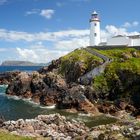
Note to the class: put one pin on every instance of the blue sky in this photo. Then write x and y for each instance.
(42, 30)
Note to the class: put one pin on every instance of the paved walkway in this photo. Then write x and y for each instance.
(87, 78)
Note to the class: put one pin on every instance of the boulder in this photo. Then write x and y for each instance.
(8, 77)
(20, 86)
(75, 98)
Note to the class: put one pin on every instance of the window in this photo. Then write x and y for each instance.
(95, 34)
(95, 24)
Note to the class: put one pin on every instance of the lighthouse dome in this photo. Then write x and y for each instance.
(94, 13)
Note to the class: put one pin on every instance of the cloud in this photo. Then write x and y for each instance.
(41, 36)
(27, 53)
(129, 25)
(39, 53)
(63, 35)
(135, 23)
(47, 13)
(3, 49)
(46, 46)
(69, 45)
(112, 30)
(3, 2)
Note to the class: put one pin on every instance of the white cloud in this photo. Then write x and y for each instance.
(3, 2)
(64, 35)
(47, 13)
(3, 49)
(112, 30)
(135, 23)
(39, 53)
(27, 54)
(127, 24)
(41, 36)
(69, 45)
(130, 24)
(60, 42)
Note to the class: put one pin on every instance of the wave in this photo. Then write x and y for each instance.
(13, 97)
(30, 101)
(3, 86)
(49, 107)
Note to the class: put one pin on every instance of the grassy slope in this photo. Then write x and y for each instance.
(79, 55)
(125, 62)
(117, 53)
(8, 136)
(4, 135)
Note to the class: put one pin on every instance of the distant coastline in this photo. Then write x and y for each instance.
(21, 63)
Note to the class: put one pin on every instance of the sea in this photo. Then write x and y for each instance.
(13, 107)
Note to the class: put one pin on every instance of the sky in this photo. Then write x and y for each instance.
(43, 30)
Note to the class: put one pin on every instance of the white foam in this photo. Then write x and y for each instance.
(3, 86)
(49, 107)
(30, 101)
(13, 97)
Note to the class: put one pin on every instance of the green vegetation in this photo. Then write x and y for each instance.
(120, 53)
(79, 55)
(77, 63)
(8, 136)
(121, 77)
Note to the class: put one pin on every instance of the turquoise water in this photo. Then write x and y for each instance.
(13, 108)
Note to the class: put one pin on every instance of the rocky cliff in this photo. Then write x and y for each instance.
(114, 90)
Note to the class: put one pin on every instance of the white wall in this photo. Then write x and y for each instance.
(94, 40)
(119, 41)
(135, 42)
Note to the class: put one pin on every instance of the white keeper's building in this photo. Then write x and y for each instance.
(119, 40)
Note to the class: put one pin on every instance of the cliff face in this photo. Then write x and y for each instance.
(114, 90)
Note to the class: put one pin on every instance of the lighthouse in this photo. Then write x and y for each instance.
(94, 29)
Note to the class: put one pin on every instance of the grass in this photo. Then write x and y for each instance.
(121, 72)
(8, 136)
(118, 53)
(79, 55)
(4, 135)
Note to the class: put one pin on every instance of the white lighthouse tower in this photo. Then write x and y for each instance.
(94, 29)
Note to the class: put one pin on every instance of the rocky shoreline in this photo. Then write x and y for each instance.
(114, 92)
(51, 89)
(56, 127)
(53, 126)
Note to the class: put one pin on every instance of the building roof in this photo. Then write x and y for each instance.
(131, 36)
(118, 36)
(134, 36)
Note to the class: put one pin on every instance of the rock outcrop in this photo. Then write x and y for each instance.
(49, 89)
(7, 77)
(57, 84)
